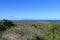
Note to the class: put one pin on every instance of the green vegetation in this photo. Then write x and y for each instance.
(4, 24)
(29, 30)
(53, 32)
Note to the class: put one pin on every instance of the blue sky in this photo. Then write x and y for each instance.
(30, 9)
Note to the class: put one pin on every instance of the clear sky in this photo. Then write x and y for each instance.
(30, 9)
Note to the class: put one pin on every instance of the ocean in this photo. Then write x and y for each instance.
(36, 20)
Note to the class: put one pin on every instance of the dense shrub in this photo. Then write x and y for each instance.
(4, 24)
(52, 32)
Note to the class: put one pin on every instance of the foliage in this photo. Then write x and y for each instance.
(25, 32)
(52, 32)
(4, 24)
(32, 31)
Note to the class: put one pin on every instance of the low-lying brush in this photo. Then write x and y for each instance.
(32, 31)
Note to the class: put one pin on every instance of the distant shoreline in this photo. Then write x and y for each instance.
(36, 20)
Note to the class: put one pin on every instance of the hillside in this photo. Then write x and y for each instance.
(32, 31)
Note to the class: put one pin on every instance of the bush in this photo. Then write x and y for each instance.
(4, 24)
(52, 32)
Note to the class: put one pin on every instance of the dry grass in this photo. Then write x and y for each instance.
(24, 31)
(28, 31)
